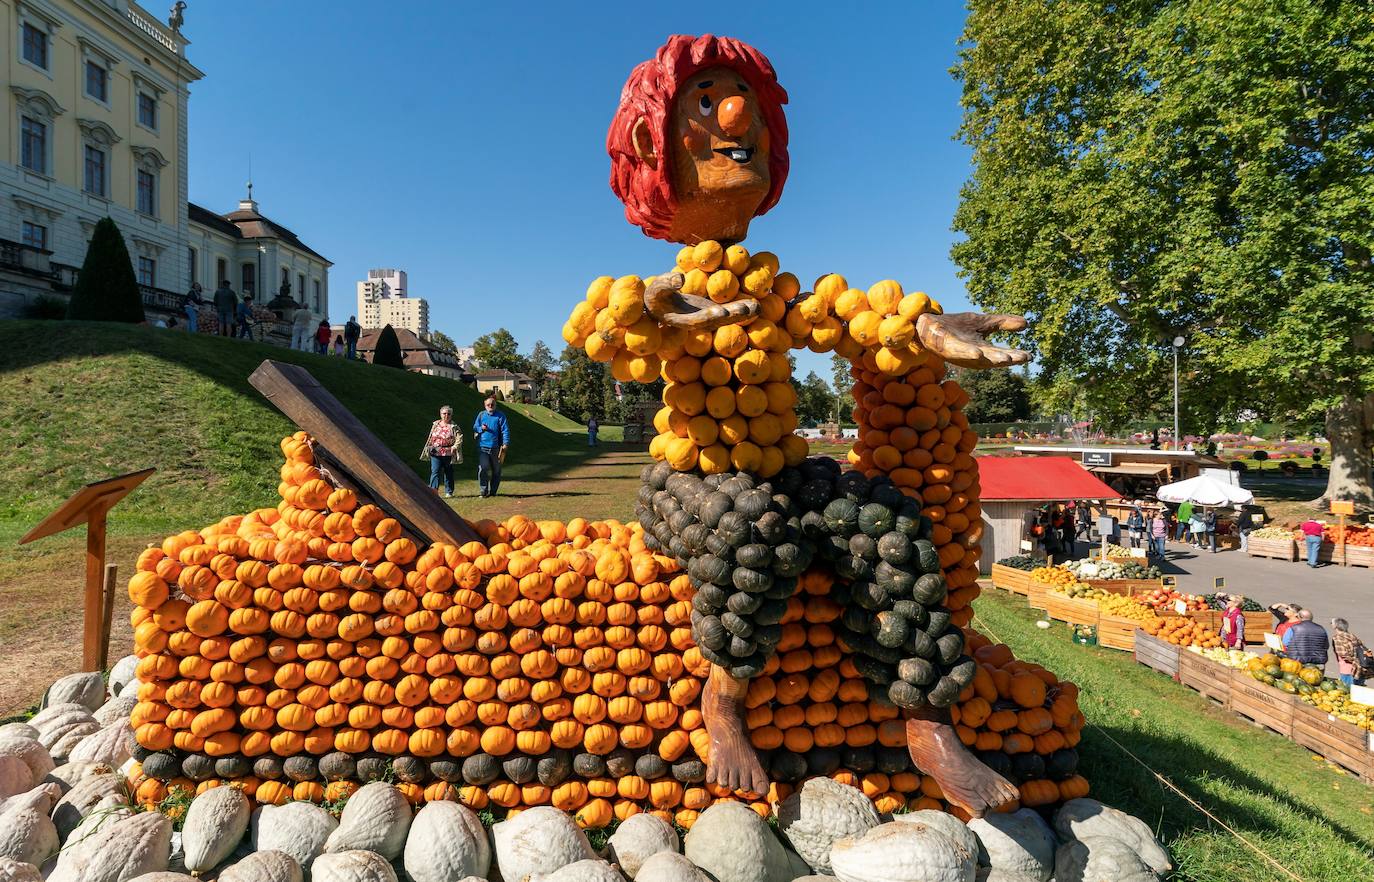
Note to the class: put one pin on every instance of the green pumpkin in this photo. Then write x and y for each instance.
(842, 517)
(917, 671)
(875, 519)
(895, 548)
(905, 695)
(890, 629)
(927, 556)
(930, 589)
(944, 693)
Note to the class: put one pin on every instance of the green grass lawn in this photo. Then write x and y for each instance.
(1313, 819)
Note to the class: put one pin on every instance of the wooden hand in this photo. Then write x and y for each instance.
(665, 301)
(959, 339)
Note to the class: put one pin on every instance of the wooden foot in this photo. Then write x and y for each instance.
(733, 762)
(937, 751)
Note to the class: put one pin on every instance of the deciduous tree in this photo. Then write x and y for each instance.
(498, 351)
(995, 396)
(1146, 171)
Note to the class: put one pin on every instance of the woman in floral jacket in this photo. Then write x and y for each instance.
(444, 447)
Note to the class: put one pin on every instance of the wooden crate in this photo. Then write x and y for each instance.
(1263, 704)
(1279, 549)
(1123, 586)
(1116, 632)
(1206, 676)
(1342, 743)
(1359, 556)
(1207, 617)
(1075, 611)
(1010, 579)
(1155, 653)
(1257, 624)
(1036, 593)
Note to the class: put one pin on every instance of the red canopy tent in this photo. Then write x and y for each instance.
(1011, 485)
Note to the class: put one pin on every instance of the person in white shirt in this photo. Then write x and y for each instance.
(302, 329)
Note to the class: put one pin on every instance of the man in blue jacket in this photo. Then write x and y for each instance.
(493, 437)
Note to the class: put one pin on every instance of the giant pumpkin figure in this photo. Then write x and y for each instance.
(698, 149)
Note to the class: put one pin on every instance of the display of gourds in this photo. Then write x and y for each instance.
(1182, 631)
(1126, 608)
(302, 650)
(1219, 601)
(1020, 562)
(1285, 533)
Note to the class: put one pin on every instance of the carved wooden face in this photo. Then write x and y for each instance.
(718, 146)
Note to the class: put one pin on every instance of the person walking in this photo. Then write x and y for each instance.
(1159, 532)
(592, 428)
(1245, 522)
(1306, 641)
(1233, 624)
(443, 447)
(492, 431)
(226, 304)
(300, 329)
(1352, 658)
(1195, 528)
(1135, 524)
(1067, 530)
(194, 300)
(338, 344)
(352, 331)
(1185, 511)
(322, 333)
(1312, 535)
(244, 313)
(1209, 528)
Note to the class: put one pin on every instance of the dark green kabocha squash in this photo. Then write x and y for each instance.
(302, 768)
(198, 767)
(163, 765)
(929, 589)
(338, 766)
(268, 768)
(875, 519)
(842, 517)
(410, 769)
(927, 557)
(689, 771)
(519, 769)
(589, 765)
(890, 628)
(1061, 764)
(917, 671)
(233, 766)
(481, 769)
(447, 770)
(895, 548)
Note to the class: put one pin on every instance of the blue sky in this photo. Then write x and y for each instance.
(466, 144)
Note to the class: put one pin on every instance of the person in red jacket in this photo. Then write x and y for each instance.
(322, 338)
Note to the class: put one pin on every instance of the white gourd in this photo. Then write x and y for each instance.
(1017, 842)
(70, 774)
(539, 840)
(947, 824)
(902, 852)
(163, 876)
(375, 818)
(131, 688)
(823, 810)
(111, 745)
(86, 689)
(264, 866)
(122, 673)
(351, 866)
(115, 852)
(115, 709)
(215, 822)
(51, 728)
(95, 792)
(52, 711)
(18, 871)
(591, 870)
(637, 838)
(1095, 858)
(667, 866)
(733, 844)
(299, 829)
(34, 755)
(15, 776)
(18, 730)
(68, 738)
(446, 843)
(93, 823)
(27, 832)
(1088, 817)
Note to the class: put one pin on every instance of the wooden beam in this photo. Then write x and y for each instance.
(392, 483)
(91, 641)
(107, 614)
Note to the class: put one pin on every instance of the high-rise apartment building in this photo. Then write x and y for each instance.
(383, 300)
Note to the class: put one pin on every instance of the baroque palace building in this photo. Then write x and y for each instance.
(97, 93)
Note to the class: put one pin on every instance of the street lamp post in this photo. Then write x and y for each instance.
(1178, 344)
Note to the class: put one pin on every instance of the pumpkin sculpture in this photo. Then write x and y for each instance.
(765, 619)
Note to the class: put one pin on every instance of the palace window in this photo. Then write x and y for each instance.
(35, 45)
(97, 82)
(33, 149)
(221, 271)
(147, 111)
(147, 271)
(317, 295)
(248, 278)
(34, 235)
(147, 193)
(191, 263)
(96, 178)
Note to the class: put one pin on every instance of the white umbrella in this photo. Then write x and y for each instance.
(1204, 490)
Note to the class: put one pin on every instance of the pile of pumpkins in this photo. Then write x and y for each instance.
(66, 815)
(305, 650)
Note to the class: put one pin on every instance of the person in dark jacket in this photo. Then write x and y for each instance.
(352, 331)
(226, 303)
(1306, 641)
(244, 313)
(1245, 522)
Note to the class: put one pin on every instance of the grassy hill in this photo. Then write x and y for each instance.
(85, 401)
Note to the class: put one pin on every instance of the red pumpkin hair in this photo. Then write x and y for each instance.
(649, 92)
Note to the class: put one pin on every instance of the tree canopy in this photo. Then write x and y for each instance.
(106, 290)
(440, 340)
(499, 351)
(995, 396)
(1147, 171)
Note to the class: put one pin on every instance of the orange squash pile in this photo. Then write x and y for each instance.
(1182, 631)
(318, 627)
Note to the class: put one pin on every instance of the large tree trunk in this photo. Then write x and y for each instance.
(1350, 429)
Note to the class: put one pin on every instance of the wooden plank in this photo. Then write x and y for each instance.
(1279, 549)
(391, 483)
(1206, 676)
(1123, 586)
(1359, 556)
(1155, 653)
(107, 613)
(1340, 742)
(1263, 704)
(81, 506)
(1035, 593)
(1010, 579)
(1116, 632)
(92, 636)
(1073, 610)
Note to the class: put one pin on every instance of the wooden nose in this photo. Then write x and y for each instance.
(733, 116)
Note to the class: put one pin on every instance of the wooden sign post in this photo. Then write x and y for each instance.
(89, 506)
(1340, 508)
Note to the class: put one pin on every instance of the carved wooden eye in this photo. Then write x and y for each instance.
(704, 105)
